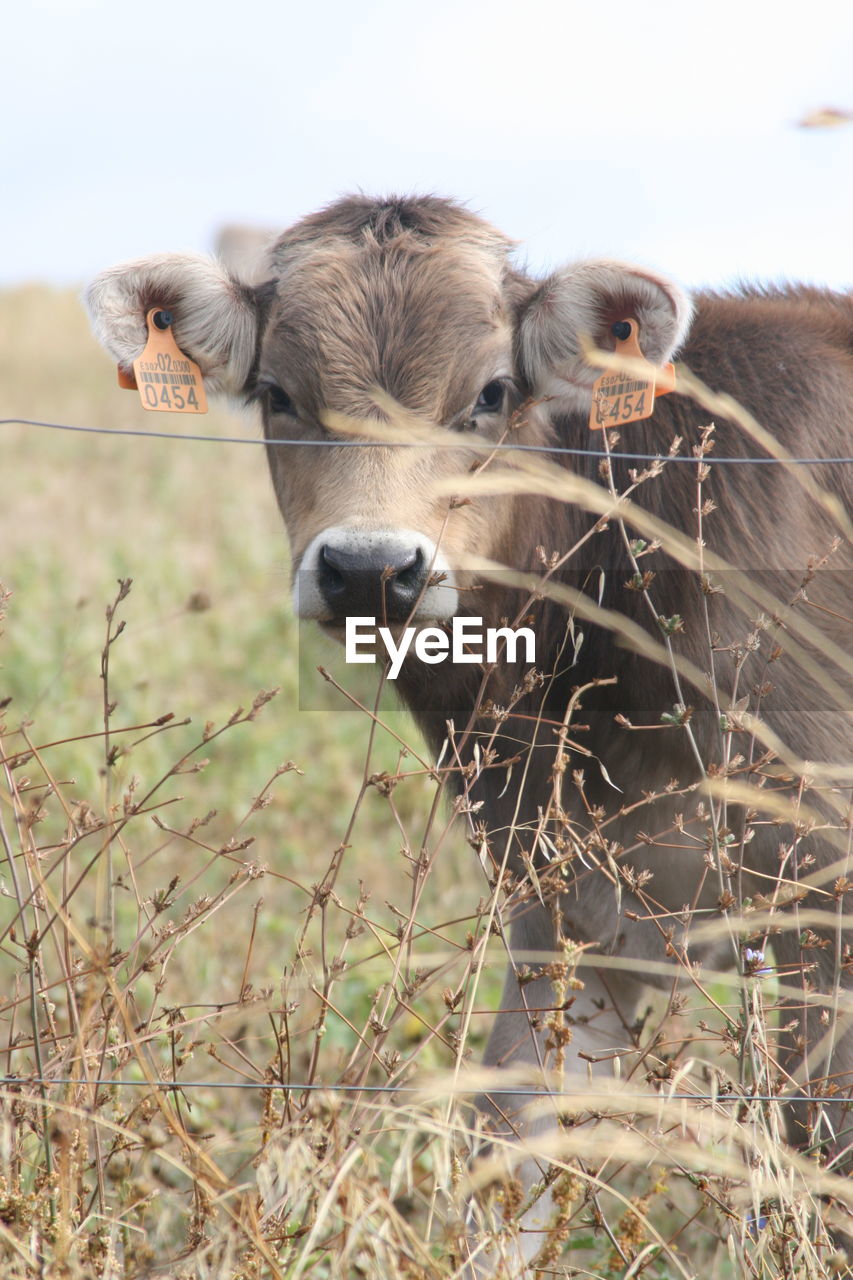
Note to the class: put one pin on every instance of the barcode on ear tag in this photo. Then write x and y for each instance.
(166, 379)
(619, 398)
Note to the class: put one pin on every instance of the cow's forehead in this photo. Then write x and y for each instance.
(427, 319)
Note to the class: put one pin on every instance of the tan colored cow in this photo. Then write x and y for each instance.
(416, 303)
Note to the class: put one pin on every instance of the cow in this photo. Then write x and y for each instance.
(694, 636)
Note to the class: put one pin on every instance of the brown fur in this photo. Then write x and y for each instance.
(419, 298)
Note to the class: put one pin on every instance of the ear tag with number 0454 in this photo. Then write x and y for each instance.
(618, 397)
(166, 379)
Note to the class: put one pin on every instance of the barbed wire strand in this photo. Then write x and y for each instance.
(298, 1086)
(418, 444)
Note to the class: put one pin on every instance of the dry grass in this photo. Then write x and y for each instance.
(268, 907)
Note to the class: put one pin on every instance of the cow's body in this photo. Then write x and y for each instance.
(418, 300)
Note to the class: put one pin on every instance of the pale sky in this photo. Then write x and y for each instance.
(662, 133)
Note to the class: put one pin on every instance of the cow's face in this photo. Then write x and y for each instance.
(379, 314)
(422, 327)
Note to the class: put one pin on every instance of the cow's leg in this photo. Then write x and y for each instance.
(599, 1021)
(817, 1052)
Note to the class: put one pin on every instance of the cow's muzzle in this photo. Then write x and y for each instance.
(388, 574)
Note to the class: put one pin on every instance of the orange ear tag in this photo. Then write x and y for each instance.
(167, 380)
(619, 398)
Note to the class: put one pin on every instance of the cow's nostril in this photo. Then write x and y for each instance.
(332, 573)
(410, 572)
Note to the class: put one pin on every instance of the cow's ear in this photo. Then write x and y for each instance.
(215, 317)
(581, 302)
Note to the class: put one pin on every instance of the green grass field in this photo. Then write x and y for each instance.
(224, 897)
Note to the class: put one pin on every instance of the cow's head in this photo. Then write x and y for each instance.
(412, 301)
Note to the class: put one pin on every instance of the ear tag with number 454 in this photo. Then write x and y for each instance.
(166, 379)
(619, 397)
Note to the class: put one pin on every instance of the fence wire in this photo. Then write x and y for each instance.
(419, 444)
(302, 1086)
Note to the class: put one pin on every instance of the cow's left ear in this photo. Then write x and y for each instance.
(582, 302)
(215, 317)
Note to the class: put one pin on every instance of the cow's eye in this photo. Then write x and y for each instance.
(277, 399)
(491, 398)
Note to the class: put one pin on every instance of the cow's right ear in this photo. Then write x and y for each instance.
(215, 318)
